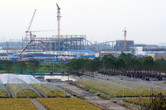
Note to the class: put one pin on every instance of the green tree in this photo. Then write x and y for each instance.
(148, 63)
(22, 66)
(74, 67)
(93, 65)
(8, 66)
(33, 65)
(120, 64)
(159, 65)
(128, 59)
(158, 102)
(109, 61)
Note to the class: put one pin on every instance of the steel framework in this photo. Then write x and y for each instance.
(64, 43)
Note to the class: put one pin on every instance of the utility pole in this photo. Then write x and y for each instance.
(125, 34)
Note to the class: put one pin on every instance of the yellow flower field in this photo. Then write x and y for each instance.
(66, 104)
(16, 104)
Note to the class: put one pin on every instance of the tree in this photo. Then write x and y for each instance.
(120, 64)
(92, 65)
(148, 63)
(158, 102)
(128, 59)
(109, 61)
(22, 66)
(8, 66)
(159, 65)
(96, 64)
(74, 67)
(33, 65)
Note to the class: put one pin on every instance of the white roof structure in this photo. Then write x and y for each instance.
(10, 78)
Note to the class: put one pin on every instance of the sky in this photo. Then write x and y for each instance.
(99, 20)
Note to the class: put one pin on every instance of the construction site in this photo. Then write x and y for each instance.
(33, 43)
(60, 42)
(58, 48)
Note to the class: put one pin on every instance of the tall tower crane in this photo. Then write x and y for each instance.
(58, 19)
(30, 24)
(32, 35)
(125, 34)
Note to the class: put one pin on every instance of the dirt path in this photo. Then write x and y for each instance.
(37, 104)
(91, 98)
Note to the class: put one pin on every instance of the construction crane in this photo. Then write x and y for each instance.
(32, 36)
(28, 30)
(38, 31)
(125, 34)
(29, 27)
(58, 19)
(30, 24)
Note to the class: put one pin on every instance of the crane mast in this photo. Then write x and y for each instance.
(31, 20)
(30, 24)
(125, 34)
(28, 32)
(58, 19)
(28, 29)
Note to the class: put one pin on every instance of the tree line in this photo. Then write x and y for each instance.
(125, 64)
(18, 66)
(28, 67)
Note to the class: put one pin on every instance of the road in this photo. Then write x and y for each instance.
(91, 98)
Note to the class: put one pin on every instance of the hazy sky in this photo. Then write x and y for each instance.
(99, 20)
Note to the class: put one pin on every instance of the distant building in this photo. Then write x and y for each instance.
(120, 45)
(158, 55)
(4, 56)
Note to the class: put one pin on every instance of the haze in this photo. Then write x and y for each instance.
(99, 20)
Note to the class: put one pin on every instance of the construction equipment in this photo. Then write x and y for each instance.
(31, 20)
(58, 22)
(28, 30)
(58, 19)
(29, 27)
(32, 36)
(28, 45)
(125, 34)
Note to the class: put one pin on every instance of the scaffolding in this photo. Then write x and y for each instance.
(64, 43)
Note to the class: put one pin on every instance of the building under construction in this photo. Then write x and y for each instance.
(56, 42)
(62, 43)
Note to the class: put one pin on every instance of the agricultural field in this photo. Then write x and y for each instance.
(3, 91)
(66, 104)
(114, 90)
(21, 90)
(48, 91)
(138, 101)
(122, 88)
(35, 90)
(16, 104)
(157, 101)
(3, 94)
(142, 88)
